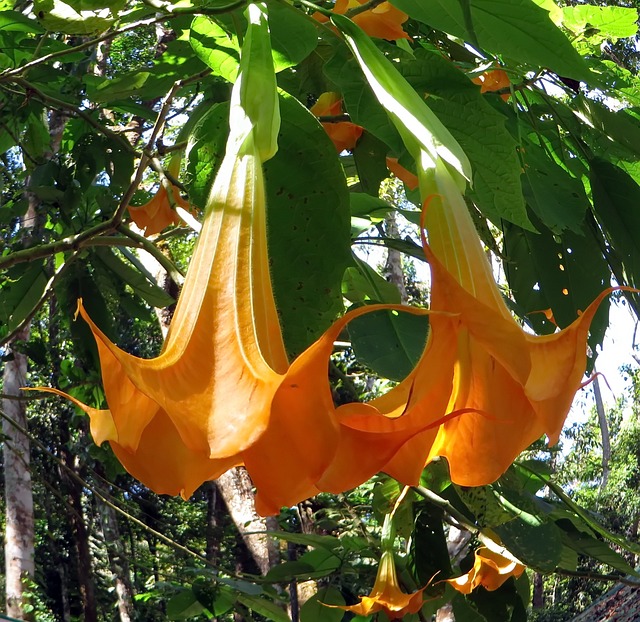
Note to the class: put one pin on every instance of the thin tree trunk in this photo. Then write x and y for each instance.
(393, 267)
(214, 530)
(538, 591)
(604, 432)
(19, 531)
(76, 519)
(64, 593)
(118, 562)
(237, 491)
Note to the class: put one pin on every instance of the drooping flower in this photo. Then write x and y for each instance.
(203, 404)
(524, 383)
(384, 21)
(387, 595)
(409, 179)
(494, 80)
(344, 134)
(490, 570)
(159, 212)
(513, 387)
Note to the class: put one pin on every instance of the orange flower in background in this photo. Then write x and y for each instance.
(494, 80)
(344, 134)
(383, 21)
(490, 570)
(159, 212)
(386, 595)
(409, 179)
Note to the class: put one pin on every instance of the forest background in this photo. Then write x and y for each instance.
(106, 105)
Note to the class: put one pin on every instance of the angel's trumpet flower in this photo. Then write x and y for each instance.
(160, 211)
(383, 21)
(201, 406)
(387, 595)
(513, 386)
(344, 134)
(490, 570)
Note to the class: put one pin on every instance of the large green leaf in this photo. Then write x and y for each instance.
(17, 22)
(23, 287)
(428, 554)
(308, 222)
(293, 38)
(184, 606)
(389, 342)
(601, 22)
(361, 283)
(561, 273)
(586, 544)
(616, 197)
(536, 545)
(263, 607)
(314, 610)
(558, 199)
(307, 215)
(480, 130)
(585, 515)
(615, 130)
(215, 46)
(518, 29)
(465, 611)
(59, 16)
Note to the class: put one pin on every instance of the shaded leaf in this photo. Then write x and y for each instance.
(315, 611)
(538, 546)
(147, 290)
(518, 29)
(561, 273)
(389, 342)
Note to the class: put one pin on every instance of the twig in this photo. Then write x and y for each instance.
(596, 576)
(367, 6)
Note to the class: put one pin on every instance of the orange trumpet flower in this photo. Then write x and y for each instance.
(344, 134)
(223, 376)
(513, 387)
(494, 80)
(490, 570)
(159, 212)
(517, 386)
(387, 595)
(383, 21)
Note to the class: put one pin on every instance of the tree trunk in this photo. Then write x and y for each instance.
(538, 591)
(118, 561)
(604, 432)
(19, 532)
(237, 491)
(393, 267)
(76, 519)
